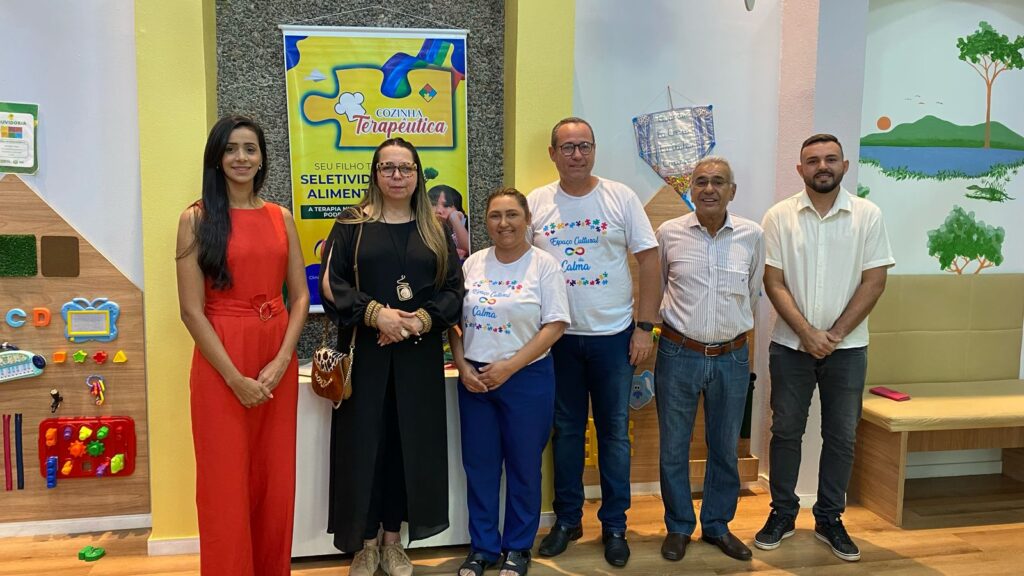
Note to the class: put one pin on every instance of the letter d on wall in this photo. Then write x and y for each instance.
(40, 317)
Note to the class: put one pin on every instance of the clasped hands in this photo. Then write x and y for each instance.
(820, 343)
(487, 378)
(252, 392)
(397, 325)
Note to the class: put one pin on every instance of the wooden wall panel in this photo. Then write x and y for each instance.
(23, 212)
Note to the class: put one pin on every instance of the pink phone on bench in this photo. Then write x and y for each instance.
(889, 393)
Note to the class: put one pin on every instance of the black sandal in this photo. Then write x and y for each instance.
(476, 562)
(517, 561)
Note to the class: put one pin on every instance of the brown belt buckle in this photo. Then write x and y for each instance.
(716, 348)
(266, 311)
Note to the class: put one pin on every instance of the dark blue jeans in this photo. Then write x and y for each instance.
(840, 381)
(595, 368)
(680, 377)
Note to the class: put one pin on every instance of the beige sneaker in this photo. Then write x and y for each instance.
(394, 561)
(366, 561)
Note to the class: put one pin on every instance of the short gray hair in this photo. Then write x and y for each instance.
(720, 160)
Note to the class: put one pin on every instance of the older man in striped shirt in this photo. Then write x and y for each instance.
(712, 264)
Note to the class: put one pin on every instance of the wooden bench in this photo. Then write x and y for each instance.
(954, 344)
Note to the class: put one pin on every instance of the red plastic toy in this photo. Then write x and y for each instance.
(108, 449)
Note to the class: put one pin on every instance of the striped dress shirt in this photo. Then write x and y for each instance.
(711, 284)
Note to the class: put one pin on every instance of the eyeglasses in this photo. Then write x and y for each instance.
(568, 149)
(388, 170)
(716, 183)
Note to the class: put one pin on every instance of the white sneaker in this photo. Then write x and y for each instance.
(394, 561)
(366, 561)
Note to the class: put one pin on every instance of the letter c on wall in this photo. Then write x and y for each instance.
(15, 317)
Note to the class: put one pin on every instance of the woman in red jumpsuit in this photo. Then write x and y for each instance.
(234, 253)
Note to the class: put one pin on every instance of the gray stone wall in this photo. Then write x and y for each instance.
(251, 80)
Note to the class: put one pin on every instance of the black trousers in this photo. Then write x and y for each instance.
(388, 504)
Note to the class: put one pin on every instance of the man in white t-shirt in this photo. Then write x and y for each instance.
(591, 225)
(827, 256)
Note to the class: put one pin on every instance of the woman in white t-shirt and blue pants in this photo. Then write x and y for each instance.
(515, 308)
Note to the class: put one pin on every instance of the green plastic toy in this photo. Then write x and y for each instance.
(90, 554)
(95, 448)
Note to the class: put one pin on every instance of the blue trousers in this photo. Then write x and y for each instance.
(594, 368)
(509, 426)
(680, 377)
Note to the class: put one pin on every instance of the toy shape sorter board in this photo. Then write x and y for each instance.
(91, 447)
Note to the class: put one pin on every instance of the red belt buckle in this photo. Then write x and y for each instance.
(266, 312)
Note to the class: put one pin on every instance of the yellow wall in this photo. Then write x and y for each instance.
(539, 49)
(539, 56)
(176, 66)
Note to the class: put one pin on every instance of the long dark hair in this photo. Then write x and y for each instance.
(452, 196)
(430, 230)
(213, 221)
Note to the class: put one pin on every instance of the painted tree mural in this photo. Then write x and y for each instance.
(990, 54)
(962, 239)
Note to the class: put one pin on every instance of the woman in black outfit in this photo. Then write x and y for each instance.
(389, 459)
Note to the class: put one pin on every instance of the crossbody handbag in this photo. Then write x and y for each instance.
(331, 376)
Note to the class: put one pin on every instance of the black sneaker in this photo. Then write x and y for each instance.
(778, 527)
(833, 533)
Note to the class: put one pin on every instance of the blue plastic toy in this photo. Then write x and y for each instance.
(90, 320)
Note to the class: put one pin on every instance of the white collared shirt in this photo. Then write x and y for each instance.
(712, 283)
(822, 258)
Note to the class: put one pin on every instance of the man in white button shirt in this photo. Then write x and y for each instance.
(712, 263)
(827, 258)
(591, 225)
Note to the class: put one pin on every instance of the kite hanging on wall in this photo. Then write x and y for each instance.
(672, 141)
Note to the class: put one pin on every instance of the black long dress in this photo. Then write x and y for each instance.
(418, 370)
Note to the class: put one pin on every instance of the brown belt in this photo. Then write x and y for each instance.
(709, 350)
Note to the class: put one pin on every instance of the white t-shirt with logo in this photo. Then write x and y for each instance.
(591, 237)
(506, 304)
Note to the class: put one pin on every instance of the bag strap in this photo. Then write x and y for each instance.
(355, 267)
(325, 320)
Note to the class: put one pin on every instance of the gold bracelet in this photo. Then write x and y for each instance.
(425, 318)
(367, 313)
(372, 310)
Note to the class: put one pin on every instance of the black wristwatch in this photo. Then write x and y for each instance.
(645, 326)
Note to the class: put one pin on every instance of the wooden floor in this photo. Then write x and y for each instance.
(948, 536)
